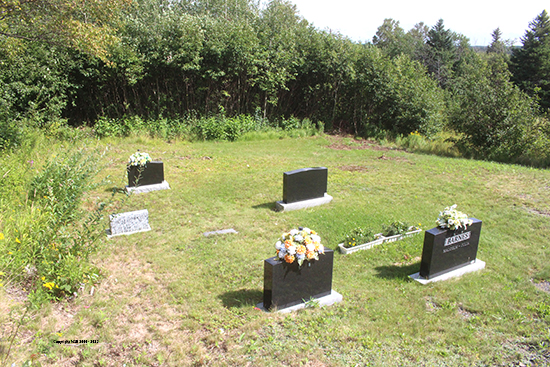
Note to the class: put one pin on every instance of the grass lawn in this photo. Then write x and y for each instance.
(172, 297)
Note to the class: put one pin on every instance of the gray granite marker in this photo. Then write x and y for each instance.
(129, 222)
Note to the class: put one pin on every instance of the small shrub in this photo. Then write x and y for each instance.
(395, 228)
(359, 236)
(106, 127)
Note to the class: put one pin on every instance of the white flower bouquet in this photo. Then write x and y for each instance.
(453, 219)
(139, 159)
(299, 245)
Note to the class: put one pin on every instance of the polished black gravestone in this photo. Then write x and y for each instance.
(446, 250)
(286, 285)
(304, 184)
(150, 174)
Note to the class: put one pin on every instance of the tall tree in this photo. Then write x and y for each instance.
(498, 45)
(441, 52)
(84, 25)
(418, 37)
(277, 29)
(391, 38)
(492, 114)
(530, 64)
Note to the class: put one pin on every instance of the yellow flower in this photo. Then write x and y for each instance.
(49, 285)
(1, 236)
(43, 278)
(59, 334)
(17, 240)
(10, 253)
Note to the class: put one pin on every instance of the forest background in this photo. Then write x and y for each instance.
(217, 69)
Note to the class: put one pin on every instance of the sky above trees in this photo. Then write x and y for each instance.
(474, 19)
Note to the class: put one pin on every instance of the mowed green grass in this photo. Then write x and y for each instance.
(172, 297)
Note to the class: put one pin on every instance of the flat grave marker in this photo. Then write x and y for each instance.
(129, 222)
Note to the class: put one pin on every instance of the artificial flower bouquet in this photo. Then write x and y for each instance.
(302, 244)
(139, 159)
(453, 219)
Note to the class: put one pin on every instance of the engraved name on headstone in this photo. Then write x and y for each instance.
(129, 222)
(304, 184)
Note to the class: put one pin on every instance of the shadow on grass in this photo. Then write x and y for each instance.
(241, 298)
(397, 271)
(271, 206)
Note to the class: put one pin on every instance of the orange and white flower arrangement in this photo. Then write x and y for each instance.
(299, 245)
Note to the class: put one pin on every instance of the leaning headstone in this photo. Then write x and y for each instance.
(304, 188)
(129, 222)
(449, 253)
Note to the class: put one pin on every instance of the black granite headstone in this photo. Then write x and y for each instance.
(446, 250)
(286, 285)
(150, 174)
(304, 184)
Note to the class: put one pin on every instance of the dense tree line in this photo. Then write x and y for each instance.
(167, 59)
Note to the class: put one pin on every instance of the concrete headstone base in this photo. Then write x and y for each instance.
(148, 188)
(332, 298)
(284, 207)
(474, 266)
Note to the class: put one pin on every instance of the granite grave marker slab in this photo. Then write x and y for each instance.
(286, 285)
(129, 222)
(150, 174)
(446, 250)
(304, 184)
(303, 188)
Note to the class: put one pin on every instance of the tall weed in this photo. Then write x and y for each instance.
(45, 237)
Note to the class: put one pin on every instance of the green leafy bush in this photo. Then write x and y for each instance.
(492, 115)
(45, 237)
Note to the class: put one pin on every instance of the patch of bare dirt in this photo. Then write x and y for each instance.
(466, 315)
(338, 143)
(431, 306)
(543, 286)
(544, 213)
(397, 159)
(353, 168)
